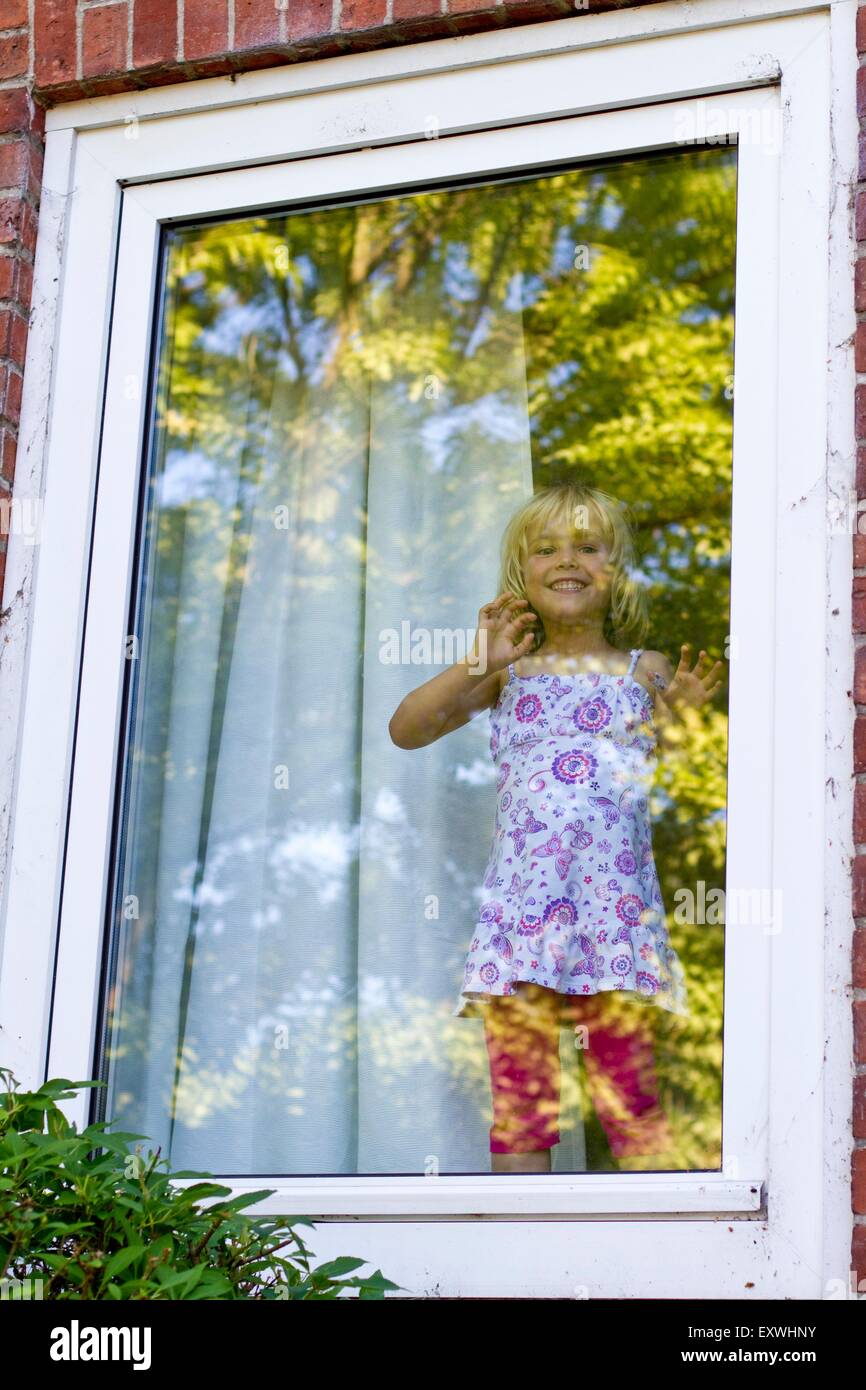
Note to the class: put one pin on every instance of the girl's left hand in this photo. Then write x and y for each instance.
(693, 688)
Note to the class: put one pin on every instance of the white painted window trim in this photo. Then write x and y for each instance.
(359, 122)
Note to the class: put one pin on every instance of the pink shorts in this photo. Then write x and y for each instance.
(522, 1035)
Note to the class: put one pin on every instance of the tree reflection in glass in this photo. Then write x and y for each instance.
(351, 401)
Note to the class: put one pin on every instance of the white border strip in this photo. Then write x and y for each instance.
(642, 1196)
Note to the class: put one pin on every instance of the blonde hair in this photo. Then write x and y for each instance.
(626, 622)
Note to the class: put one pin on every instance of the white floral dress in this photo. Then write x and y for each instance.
(572, 897)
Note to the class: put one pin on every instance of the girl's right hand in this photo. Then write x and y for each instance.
(505, 626)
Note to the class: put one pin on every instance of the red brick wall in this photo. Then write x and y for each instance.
(22, 125)
(88, 47)
(97, 47)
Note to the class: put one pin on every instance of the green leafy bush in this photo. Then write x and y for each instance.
(90, 1219)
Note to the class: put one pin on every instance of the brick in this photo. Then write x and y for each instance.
(859, 1009)
(104, 85)
(13, 14)
(265, 58)
(14, 163)
(256, 22)
(859, 813)
(35, 162)
(36, 156)
(54, 22)
(858, 615)
(362, 14)
(154, 32)
(858, 1182)
(467, 6)
(478, 21)
(8, 275)
(27, 227)
(18, 340)
(103, 40)
(13, 336)
(432, 26)
(543, 9)
(62, 91)
(328, 45)
(861, 29)
(12, 402)
(860, 411)
(205, 28)
(24, 286)
(858, 885)
(860, 282)
(308, 18)
(858, 958)
(858, 1253)
(17, 111)
(481, 21)
(210, 67)
(859, 1108)
(164, 76)
(11, 220)
(14, 56)
(860, 216)
(7, 456)
(415, 9)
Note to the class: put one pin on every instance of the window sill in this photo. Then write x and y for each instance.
(469, 1196)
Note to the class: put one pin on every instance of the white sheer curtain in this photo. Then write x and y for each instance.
(300, 893)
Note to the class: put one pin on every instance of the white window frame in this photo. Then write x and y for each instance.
(116, 168)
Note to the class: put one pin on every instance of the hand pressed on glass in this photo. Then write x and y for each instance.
(693, 688)
(506, 638)
(681, 693)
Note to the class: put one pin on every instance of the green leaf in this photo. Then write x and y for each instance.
(244, 1200)
(121, 1260)
(335, 1268)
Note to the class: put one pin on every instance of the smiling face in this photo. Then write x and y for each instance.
(568, 574)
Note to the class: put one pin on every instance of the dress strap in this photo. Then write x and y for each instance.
(636, 654)
(511, 675)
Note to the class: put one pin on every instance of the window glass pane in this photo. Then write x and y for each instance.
(351, 404)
